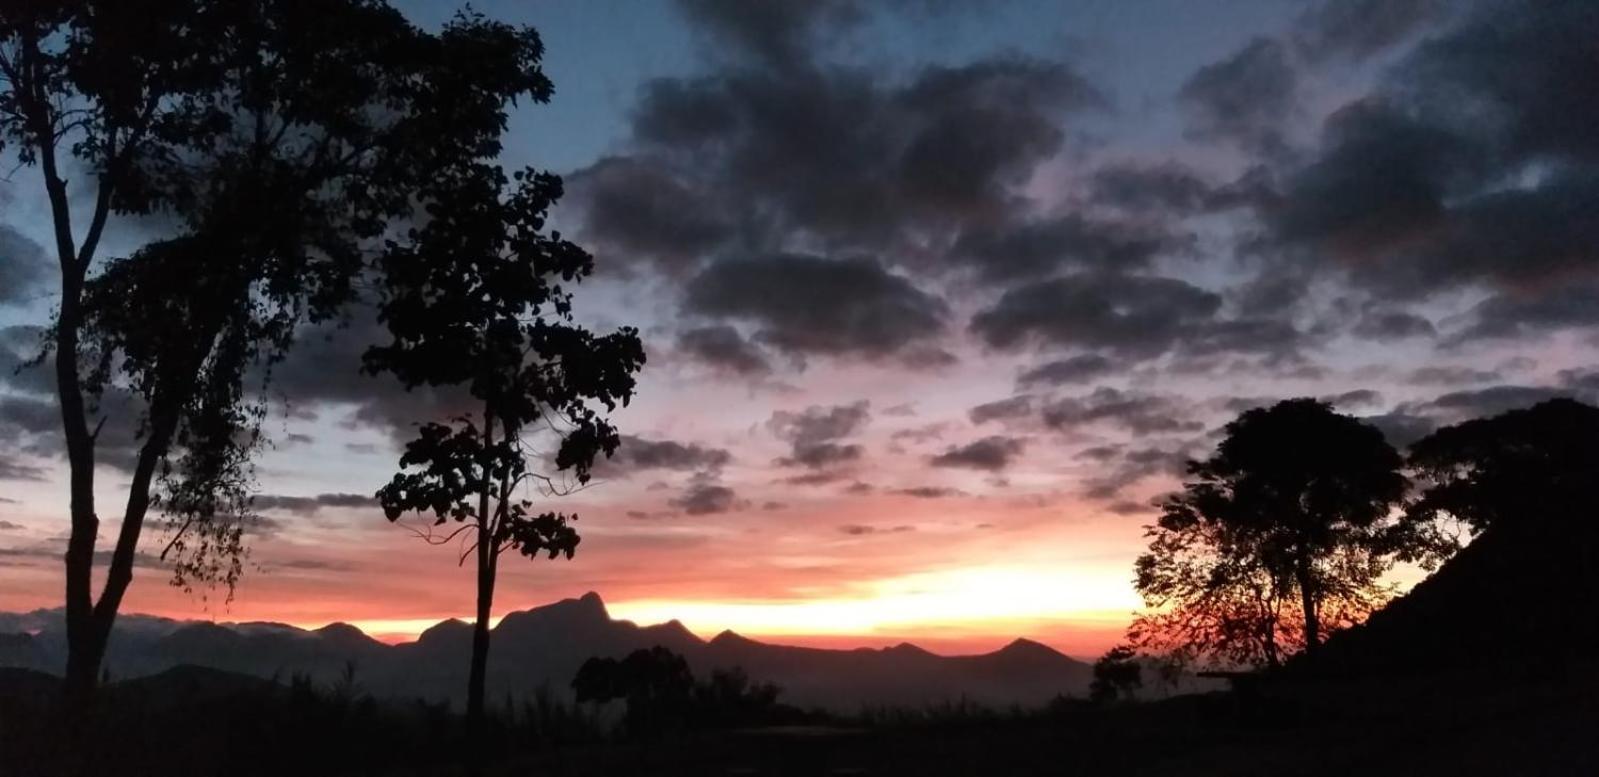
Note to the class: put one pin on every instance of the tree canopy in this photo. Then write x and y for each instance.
(1282, 534)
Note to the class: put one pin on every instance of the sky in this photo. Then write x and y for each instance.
(938, 297)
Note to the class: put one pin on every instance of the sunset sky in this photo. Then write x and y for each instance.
(936, 300)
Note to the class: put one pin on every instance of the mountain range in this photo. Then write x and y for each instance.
(543, 647)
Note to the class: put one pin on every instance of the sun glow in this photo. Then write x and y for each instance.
(953, 600)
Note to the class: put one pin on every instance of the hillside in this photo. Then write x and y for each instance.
(544, 646)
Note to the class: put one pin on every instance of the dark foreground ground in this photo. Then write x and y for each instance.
(1532, 721)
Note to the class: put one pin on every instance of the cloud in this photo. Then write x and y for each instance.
(640, 209)
(24, 268)
(930, 492)
(9, 526)
(1450, 376)
(1074, 369)
(310, 505)
(812, 305)
(861, 530)
(814, 433)
(1016, 407)
(637, 453)
(1127, 467)
(12, 469)
(1357, 29)
(723, 347)
(1141, 414)
(1472, 163)
(1145, 188)
(1029, 249)
(1133, 315)
(1245, 98)
(1383, 325)
(993, 453)
(705, 499)
(777, 35)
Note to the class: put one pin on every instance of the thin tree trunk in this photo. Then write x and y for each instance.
(485, 593)
(476, 682)
(1307, 598)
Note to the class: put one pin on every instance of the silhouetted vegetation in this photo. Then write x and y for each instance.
(1282, 535)
(1117, 675)
(478, 298)
(662, 695)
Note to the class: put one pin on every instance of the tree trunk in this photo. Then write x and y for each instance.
(480, 636)
(485, 596)
(1307, 598)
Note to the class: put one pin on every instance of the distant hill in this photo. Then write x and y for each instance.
(544, 646)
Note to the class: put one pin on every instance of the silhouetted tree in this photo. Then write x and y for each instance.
(661, 692)
(655, 682)
(1117, 675)
(1290, 522)
(1525, 470)
(280, 140)
(477, 299)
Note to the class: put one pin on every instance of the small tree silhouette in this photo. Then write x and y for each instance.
(475, 300)
(1282, 534)
(1117, 675)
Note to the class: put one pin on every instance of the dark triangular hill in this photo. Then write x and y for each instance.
(1506, 601)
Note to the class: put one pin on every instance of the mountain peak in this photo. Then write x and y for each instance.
(1021, 646)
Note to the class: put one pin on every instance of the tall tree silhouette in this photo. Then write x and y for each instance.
(282, 139)
(1281, 534)
(475, 299)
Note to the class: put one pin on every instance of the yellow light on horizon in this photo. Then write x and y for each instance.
(957, 600)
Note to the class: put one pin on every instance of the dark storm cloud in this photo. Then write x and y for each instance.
(1140, 414)
(814, 436)
(759, 158)
(1001, 410)
(310, 505)
(777, 34)
(1520, 313)
(1143, 188)
(725, 348)
(24, 268)
(636, 208)
(1392, 325)
(706, 499)
(1245, 98)
(993, 453)
(637, 453)
(1036, 248)
(1474, 161)
(1357, 29)
(1075, 369)
(1134, 315)
(811, 305)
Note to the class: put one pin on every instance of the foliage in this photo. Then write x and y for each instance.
(477, 296)
(1117, 675)
(1280, 536)
(1523, 470)
(661, 693)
